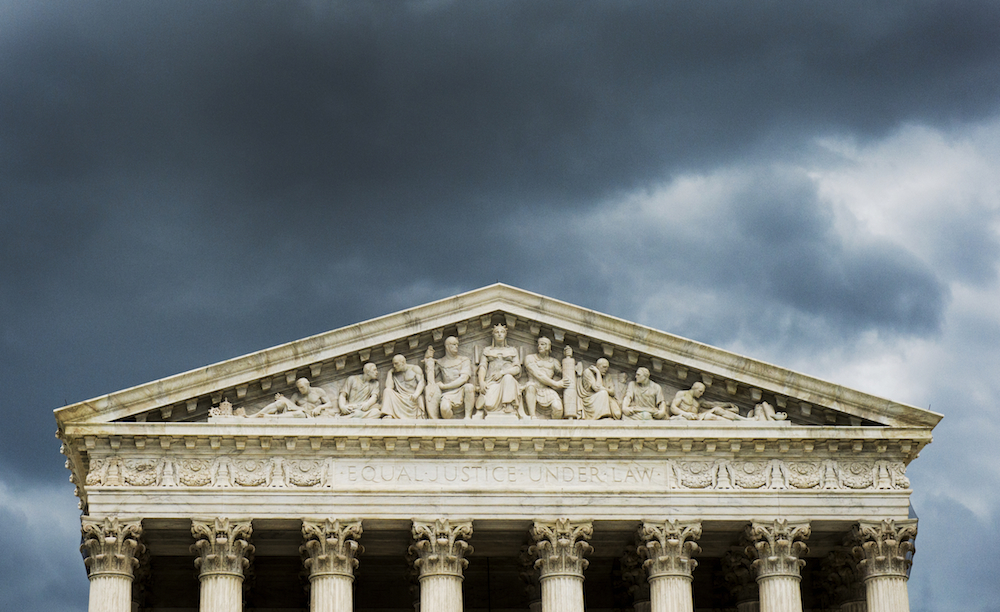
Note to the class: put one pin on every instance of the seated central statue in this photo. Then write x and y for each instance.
(404, 391)
(498, 370)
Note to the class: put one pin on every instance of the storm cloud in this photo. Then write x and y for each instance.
(809, 183)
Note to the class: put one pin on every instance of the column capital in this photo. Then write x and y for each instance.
(633, 573)
(885, 548)
(560, 546)
(667, 547)
(440, 547)
(221, 545)
(841, 578)
(778, 547)
(111, 545)
(737, 571)
(331, 546)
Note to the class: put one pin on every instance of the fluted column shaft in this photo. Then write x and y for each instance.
(330, 549)
(440, 548)
(560, 547)
(667, 548)
(112, 546)
(886, 549)
(562, 593)
(778, 548)
(780, 594)
(223, 555)
(671, 594)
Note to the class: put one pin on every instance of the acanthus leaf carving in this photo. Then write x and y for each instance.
(778, 547)
(112, 545)
(885, 548)
(739, 575)
(668, 547)
(440, 546)
(222, 546)
(561, 546)
(331, 546)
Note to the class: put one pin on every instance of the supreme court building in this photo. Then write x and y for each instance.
(494, 451)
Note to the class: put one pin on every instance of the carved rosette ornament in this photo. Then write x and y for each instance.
(440, 547)
(222, 546)
(778, 547)
(560, 546)
(668, 547)
(331, 547)
(885, 548)
(112, 546)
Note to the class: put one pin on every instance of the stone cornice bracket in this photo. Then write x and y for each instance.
(885, 548)
(222, 546)
(668, 547)
(111, 545)
(440, 547)
(778, 547)
(561, 547)
(331, 547)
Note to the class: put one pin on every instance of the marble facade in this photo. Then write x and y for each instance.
(497, 450)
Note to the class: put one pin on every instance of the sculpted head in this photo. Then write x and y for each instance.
(451, 346)
(302, 385)
(697, 389)
(642, 376)
(500, 332)
(370, 370)
(603, 365)
(399, 363)
(544, 345)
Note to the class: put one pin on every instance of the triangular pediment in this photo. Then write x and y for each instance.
(327, 360)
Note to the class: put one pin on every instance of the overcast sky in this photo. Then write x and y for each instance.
(815, 184)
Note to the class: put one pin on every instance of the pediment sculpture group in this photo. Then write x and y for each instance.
(452, 387)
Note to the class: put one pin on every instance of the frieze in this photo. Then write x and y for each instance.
(329, 472)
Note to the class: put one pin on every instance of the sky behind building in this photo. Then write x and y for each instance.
(814, 184)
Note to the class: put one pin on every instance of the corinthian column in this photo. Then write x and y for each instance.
(560, 547)
(330, 549)
(667, 548)
(737, 571)
(223, 553)
(440, 547)
(778, 548)
(885, 549)
(112, 547)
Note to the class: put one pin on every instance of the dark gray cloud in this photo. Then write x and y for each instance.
(181, 183)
